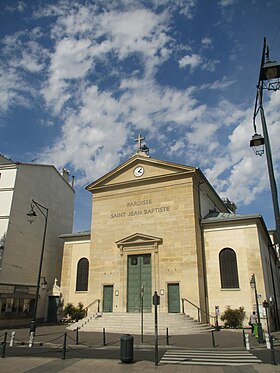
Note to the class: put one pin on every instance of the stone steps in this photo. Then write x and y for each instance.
(130, 323)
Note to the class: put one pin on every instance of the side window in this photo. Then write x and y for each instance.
(228, 269)
(82, 275)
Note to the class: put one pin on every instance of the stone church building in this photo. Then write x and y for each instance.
(160, 226)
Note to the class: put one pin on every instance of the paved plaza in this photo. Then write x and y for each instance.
(100, 352)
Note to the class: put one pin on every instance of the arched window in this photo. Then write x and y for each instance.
(228, 269)
(82, 275)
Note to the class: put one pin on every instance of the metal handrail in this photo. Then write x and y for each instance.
(199, 310)
(91, 304)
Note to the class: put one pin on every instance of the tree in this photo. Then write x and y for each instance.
(75, 313)
(233, 318)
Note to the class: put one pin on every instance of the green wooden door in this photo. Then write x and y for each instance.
(173, 298)
(139, 277)
(52, 309)
(108, 298)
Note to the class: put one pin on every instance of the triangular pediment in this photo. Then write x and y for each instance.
(137, 239)
(151, 170)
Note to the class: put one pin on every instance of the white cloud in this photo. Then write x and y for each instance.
(218, 167)
(21, 55)
(240, 175)
(177, 148)
(18, 7)
(221, 84)
(185, 7)
(206, 42)
(12, 89)
(72, 59)
(138, 32)
(225, 3)
(193, 61)
(210, 65)
(25, 54)
(246, 181)
(99, 79)
(93, 138)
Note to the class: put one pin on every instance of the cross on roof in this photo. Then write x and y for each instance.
(139, 140)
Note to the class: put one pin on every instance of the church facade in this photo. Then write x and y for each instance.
(160, 226)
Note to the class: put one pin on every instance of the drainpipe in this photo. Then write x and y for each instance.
(203, 256)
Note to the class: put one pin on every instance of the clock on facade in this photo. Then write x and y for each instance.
(138, 171)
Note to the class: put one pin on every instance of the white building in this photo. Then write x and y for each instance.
(21, 242)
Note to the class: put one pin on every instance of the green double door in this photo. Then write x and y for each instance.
(139, 283)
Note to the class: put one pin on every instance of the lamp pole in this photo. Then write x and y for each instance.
(269, 71)
(269, 79)
(259, 325)
(273, 186)
(31, 215)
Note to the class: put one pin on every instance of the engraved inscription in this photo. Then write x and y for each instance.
(143, 211)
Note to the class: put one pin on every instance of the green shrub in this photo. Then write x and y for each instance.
(233, 318)
(75, 313)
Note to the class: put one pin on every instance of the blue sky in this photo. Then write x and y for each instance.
(79, 80)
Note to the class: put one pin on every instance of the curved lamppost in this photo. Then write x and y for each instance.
(269, 79)
(31, 216)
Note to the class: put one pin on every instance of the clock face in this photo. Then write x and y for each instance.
(138, 171)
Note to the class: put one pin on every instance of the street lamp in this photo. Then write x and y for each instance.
(259, 325)
(31, 216)
(268, 79)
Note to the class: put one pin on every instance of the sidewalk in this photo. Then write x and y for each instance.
(55, 333)
(46, 365)
(52, 336)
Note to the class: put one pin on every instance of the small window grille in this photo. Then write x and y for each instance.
(147, 259)
(134, 261)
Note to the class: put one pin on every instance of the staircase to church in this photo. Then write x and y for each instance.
(130, 323)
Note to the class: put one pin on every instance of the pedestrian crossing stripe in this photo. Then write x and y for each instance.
(198, 357)
(241, 353)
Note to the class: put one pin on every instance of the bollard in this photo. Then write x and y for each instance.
(104, 337)
(4, 345)
(167, 337)
(273, 360)
(247, 342)
(31, 339)
(64, 346)
(77, 336)
(213, 338)
(244, 338)
(12, 339)
(267, 341)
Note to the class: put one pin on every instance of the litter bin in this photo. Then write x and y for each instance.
(126, 353)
